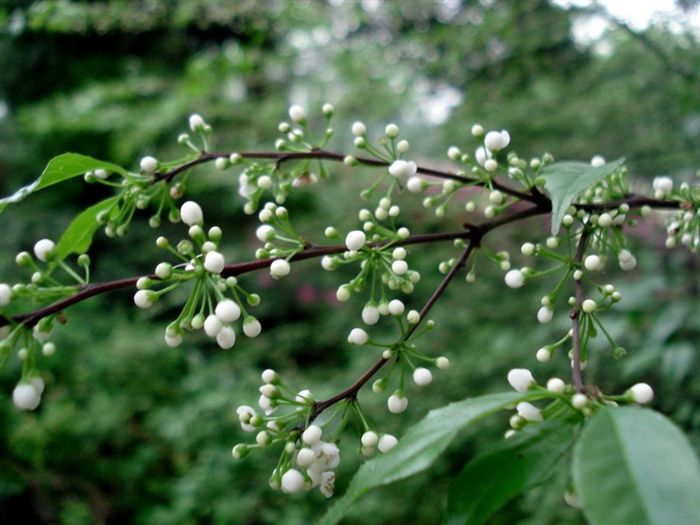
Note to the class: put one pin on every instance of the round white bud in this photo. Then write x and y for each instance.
(292, 480)
(579, 401)
(149, 164)
(396, 307)
(214, 262)
(297, 113)
(397, 404)
(212, 325)
(251, 327)
(589, 306)
(642, 393)
(226, 338)
(442, 363)
(358, 336)
(312, 435)
(196, 123)
(369, 439)
(545, 314)
(529, 411)
(279, 268)
(144, 298)
(355, 240)
(386, 443)
(593, 263)
(370, 314)
(422, 376)
(43, 249)
(515, 279)
(359, 129)
(556, 385)
(25, 396)
(228, 311)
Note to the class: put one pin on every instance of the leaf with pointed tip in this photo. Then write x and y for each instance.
(632, 466)
(564, 180)
(510, 468)
(59, 169)
(78, 236)
(421, 446)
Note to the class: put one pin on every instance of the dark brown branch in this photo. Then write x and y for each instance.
(575, 315)
(319, 154)
(90, 290)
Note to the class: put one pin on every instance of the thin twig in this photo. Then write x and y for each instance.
(575, 316)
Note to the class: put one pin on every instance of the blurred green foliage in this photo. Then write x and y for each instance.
(133, 432)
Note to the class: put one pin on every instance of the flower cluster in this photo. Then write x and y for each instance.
(208, 308)
(522, 380)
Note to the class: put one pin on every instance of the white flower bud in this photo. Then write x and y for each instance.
(5, 294)
(279, 268)
(396, 307)
(415, 184)
(265, 233)
(370, 314)
(297, 113)
(521, 379)
(228, 311)
(197, 123)
(358, 337)
(212, 325)
(545, 315)
(579, 401)
(543, 355)
(226, 338)
(43, 249)
(663, 185)
(589, 306)
(593, 263)
(312, 435)
(399, 267)
(397, 404)
(413, 316)
(442, 363)
(422, 376)
(386, 443)
(515, 279)
(214, 262)
(25, 396)
(391, 131)
(343, 293)
(597, 161)
(359, 129)
(477, 130)
(292, 480)
(355, 240)
(251, 327)
(369, 439)
(529, 411)
(149, 164)
(642, 393)
(144, 298)
(453, 153)
(556, 385)
(305, 457)
(527, 249)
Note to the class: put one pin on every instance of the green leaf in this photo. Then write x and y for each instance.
(512, 467)
(564, 180)
(59, 169)
(421, 446)
(78, 236)
(632, 466)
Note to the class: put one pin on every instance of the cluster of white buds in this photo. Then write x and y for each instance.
(683, 227)
(275, 230)
(315, 461)
(27, 395)
(403, 170)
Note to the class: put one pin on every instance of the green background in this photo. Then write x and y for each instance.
(130, 431)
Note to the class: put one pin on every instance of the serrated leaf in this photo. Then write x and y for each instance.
(632, 466)
(421, 446)
(59, 169)
(512, 467)
(564, 180)
(78, 236)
